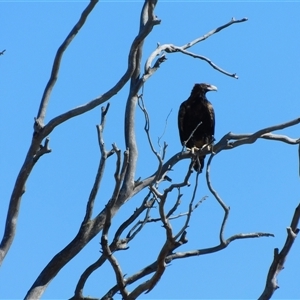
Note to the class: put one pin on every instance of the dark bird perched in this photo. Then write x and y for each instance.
(196, 120)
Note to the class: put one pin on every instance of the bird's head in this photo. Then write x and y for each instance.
(203, 88)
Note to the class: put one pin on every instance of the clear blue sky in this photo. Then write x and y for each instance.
(260, 182)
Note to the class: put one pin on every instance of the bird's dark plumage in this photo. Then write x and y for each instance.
(197, 114)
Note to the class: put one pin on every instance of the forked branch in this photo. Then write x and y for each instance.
(170, 48)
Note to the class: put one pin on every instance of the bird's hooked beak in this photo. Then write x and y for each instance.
(212, 88)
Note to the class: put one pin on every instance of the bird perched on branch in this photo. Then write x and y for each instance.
(196, 121)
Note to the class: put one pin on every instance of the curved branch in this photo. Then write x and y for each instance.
(280, 138)
(214, 31)
(191, 209)
(16, 197)
(218, 198)
(170, 48)
(243, 139)
(143, 33)
(56, 64)
(147, 130)
(280, 257)
(212, 64)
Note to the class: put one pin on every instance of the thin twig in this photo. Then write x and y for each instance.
(136, 229)
(165, 128)
(188, 217)
(218, 198)
(211, 63)
(147, 130)
(214, 31)
(101, 167)
(147, 125)
(175, 206)
(119, 173)
(191, 135)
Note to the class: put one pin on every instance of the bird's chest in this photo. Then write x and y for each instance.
(200, 113)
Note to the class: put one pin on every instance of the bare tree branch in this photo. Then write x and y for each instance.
(104, 155)
(147, 125)
(218, 198)
(170, 48)
(117, 244)
(92, 228)
(189, 213)
(212, 64)
(44, 149)
(108, 254)
(139, 225)
(175, 206)
(181, 255)
(172, 210)
(214, 31)
(135, 85)
(136, 44)
(191, 135)
(16, 197)
(243, 139)
(280, 138)
(165, 128)
(279, 257)
(159, 156)
(57, 60)
(223, 144)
